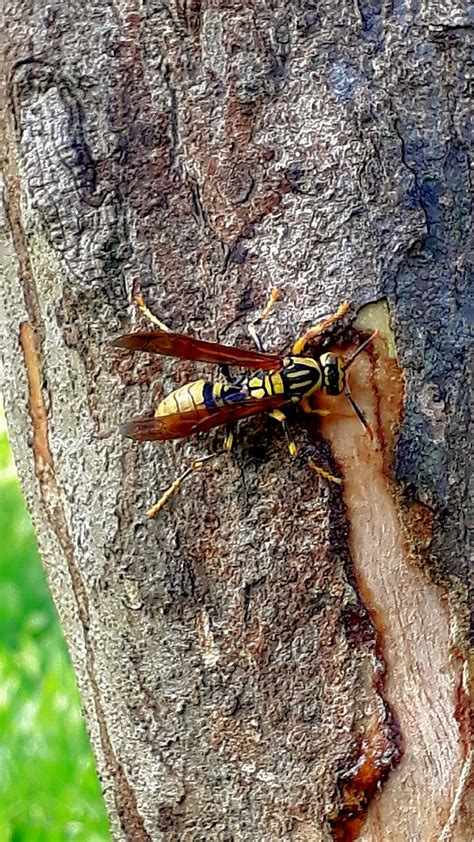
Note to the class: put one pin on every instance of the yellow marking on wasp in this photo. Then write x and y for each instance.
(300, 344)
(292, 448)
(306, 362)
(217, 392)
(258, 393)
(268, 385)
(315, 388)
(342, 377)
(301, 384)
(191, 396)
(184, 399)
(278, 387)
(323, 473)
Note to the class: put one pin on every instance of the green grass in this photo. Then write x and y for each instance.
(48, 785)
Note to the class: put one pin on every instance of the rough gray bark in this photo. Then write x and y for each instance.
(249, 661)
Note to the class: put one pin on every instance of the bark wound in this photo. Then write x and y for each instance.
(42, 453)
(126, 804)
(407, 610)
(379, 751)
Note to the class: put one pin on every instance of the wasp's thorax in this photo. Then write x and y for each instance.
(300, 377)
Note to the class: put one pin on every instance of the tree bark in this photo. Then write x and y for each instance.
(275, 656)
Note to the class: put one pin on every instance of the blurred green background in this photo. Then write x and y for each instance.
(48, 785)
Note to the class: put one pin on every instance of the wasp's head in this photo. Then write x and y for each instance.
(334, 378)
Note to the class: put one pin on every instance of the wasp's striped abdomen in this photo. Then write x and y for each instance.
(199, 394)
(184, 399)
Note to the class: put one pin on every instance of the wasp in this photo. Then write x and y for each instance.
(276, 383)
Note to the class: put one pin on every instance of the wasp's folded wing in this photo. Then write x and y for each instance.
(182, 425)
(188, 348)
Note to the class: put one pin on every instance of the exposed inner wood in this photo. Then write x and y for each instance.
(409, 611)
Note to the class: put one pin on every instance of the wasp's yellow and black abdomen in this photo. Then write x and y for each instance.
(184, 399)
(200, 394)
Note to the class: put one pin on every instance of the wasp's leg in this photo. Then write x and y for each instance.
(322, 473)
(224, 368)
(280, 416)
(140, 302)
(310, 410)
(229, 438)
(256, 338)
(157, 507)
(275, 296)
(306, 407)
(310, 334)
(196, 466)
(232, 379)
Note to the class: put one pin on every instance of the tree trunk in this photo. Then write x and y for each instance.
(275, 655)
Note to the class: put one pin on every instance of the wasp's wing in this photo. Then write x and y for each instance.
(187, 348)
(182, 425)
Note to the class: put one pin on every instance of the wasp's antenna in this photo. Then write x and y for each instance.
(358, 412)
(347, 392)
(359, 350)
